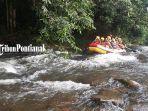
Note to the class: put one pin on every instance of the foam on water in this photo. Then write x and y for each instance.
(12, 66)
(9, 81)
(144, 48)
(25, 94)
(36, 59)
(140, 107)
(36, 74)
(62, 85)
(53, 63)
(58, 64)
(114, 57)
(33, 67)
(94, 62)
(8, 67)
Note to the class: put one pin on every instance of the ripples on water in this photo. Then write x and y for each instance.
(37, 81)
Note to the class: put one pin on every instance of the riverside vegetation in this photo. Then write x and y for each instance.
(65, 22)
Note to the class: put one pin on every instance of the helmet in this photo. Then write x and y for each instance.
(97, 37)
(109, 37)
(120, 40)
(113, 39)
(102, 38)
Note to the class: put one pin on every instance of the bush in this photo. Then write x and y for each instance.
(60, 19)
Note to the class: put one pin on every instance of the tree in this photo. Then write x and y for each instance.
(62, 18)
(121, 17)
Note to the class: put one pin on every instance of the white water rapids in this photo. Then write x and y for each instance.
(48, 74)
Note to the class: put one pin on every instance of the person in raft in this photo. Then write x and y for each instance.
(101, 41)
(108, 40)
(114, 44)
(96, 42)
(104, 42)
(120, 43)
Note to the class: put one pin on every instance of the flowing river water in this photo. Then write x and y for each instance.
(49, 82)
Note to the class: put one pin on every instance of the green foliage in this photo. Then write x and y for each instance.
(62, 18)
(121, 17)
(62, 21)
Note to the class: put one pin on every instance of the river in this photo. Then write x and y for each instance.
(49, 82)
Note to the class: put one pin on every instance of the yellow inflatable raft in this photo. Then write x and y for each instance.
(103, 50)
(97, 50)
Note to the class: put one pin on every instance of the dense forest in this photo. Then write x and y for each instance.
(72, 22)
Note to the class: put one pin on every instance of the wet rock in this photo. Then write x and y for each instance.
(109, 95)
(122, 90)
(62, 101)
(118, 93)
(134, 48)
(142, 58)
(138, 107)
(129, 83)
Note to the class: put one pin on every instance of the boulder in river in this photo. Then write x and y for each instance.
(108, 95)
(138, 107)
(129, 83)
(142, 58)
(118, 93)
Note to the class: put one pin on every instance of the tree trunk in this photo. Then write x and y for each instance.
(33, 3)
(10, 15)
(14, 19)
(7, 14)
(10, 18)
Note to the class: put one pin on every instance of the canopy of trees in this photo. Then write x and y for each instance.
(127, 18)
(62, 21)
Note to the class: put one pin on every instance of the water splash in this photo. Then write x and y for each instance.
(9, 81)
(36, 74)
(62, 86)
(7, 67)
(31, 68)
